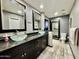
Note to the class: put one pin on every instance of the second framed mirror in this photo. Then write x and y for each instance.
(36, 20)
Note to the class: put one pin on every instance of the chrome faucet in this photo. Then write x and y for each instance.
(16, 32)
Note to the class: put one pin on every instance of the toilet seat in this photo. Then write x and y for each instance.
(63, 36)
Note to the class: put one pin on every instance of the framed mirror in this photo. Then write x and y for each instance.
(13, 16)
(36, 20)
(55, 26)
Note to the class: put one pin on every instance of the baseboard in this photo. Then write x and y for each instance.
(50, 46)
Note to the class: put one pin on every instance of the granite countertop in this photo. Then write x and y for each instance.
(10, 44)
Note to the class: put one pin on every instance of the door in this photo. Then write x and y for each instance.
(56, 29)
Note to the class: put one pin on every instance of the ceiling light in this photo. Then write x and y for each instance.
(41, 6)
(56, 13)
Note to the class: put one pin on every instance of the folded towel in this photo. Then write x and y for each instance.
(72, 35)
(76, 38)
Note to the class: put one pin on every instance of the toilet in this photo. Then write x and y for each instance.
(63, 37)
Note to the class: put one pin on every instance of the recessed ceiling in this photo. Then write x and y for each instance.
(53, 6)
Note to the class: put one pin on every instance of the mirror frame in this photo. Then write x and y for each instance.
(12, 30)
(33, 19)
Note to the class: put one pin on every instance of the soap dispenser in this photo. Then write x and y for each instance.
(6, 39)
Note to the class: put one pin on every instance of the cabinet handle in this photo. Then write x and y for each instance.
(22, 55)
(25, 54)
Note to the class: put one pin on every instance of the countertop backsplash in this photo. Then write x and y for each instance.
(11, 33)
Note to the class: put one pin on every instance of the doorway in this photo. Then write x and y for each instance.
(56, 29)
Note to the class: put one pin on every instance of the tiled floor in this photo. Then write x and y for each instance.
(58, 51)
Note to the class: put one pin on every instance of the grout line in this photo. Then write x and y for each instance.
(72, 51)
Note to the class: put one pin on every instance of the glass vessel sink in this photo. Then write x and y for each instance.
(18, 37)
(41, 32)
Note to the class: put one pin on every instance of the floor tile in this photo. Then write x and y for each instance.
(58, 51)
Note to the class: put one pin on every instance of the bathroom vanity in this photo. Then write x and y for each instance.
(30, 48)
(13, 19)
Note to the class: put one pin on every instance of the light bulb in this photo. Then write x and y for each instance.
(41, 6)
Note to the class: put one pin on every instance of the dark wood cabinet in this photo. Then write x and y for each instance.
(28, 50)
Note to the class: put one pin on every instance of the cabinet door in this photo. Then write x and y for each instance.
(38, 46)
(27, 51)
(44, 42)
(32, 50)
(41, 44)
(9, 54)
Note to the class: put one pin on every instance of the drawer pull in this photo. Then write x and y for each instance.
(22, 56)
(25, 54)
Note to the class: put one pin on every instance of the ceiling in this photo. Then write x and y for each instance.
(61, 7)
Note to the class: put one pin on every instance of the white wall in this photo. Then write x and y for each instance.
(29, 19)
(64, 23)
(75, 14)
(42, 21)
